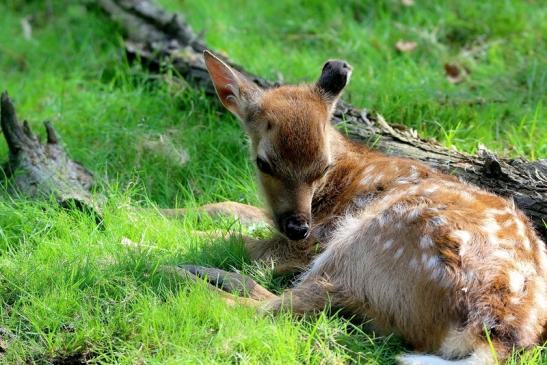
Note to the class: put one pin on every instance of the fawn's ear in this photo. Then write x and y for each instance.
(235, 92)
(334, 77)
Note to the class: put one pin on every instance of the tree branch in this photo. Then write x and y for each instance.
(39, 170)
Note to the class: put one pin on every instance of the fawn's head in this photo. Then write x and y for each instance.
(289, 130)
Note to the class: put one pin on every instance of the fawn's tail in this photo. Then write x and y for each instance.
(481, 356)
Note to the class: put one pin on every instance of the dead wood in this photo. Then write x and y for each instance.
(158, 38)
(40, 170)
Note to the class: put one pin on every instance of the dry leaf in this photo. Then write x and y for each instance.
(407, 2)
(454, 73)
(405, 46)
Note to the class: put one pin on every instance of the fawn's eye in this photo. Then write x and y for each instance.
(264, 166)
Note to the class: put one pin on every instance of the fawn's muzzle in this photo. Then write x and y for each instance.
(296, 227)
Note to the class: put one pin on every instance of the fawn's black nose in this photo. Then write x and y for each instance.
(334, 76)
(296, 227)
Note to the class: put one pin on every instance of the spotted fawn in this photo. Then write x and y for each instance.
(456, 271)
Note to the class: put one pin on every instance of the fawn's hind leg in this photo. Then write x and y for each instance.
(311, 295)
(247, 214)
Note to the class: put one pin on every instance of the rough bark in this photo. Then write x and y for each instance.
(40, 170)
(157, 37)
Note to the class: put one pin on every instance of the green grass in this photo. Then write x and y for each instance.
(501, 43)
(71, 290)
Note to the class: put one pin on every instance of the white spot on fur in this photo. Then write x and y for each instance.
(516, 281)
(426, 242)
(366, 181)
(509, 318)
(465, 195)
(430, 190)
(438, 221)
(540, 296)
(463, 236)
(533, 317)
(398, 253)
(388, 244)
(438, 275)
(491, 228)
(521, 229)
(503, 255)
(368, 170)
(410, 179)
(378, 178)
(526, 243)
(412, 190)
(404, 180)
(414, 264)
(433, 262)
(413, 172)
(495, 212)
(508, 223)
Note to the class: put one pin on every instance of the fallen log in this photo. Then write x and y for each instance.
(41, 170)
(157, 37)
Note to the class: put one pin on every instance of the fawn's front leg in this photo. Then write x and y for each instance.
(287, 256)
(313, 294)
(246, 214)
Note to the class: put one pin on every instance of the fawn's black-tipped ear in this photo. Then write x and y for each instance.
(234, 91)
(334, 77)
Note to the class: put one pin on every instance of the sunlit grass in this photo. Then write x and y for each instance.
(500, 43)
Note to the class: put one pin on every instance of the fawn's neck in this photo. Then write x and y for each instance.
(342, 182)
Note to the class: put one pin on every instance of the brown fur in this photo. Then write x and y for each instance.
(424, 255)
